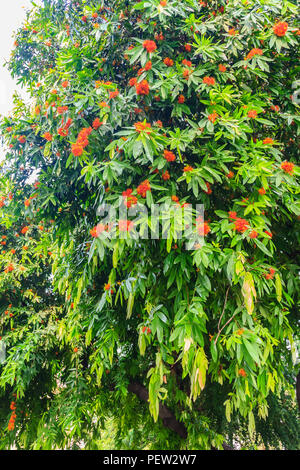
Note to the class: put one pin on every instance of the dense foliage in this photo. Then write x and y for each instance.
(166, 102)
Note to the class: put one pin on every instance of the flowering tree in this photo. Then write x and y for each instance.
(168, 102)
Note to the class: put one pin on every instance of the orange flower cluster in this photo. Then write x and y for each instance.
(188, 168)
(288, 167)
(168, 62)
(181, 99)
(209, 80)
(242, 373)
(270, 274)
(241, 225)
(12, 419)
(62, 109)
(81, 142)
(142, 126)
(99, 228)
(150, 46)
(142, 88)
(280, 28)
(125, 225)
(252, 114)
(222, 68)
(202, 227)
(48, 136)
(212, 117)
(254, 52)
(169, 156)
(268, 140)
(97, 123)
(143, 188)
(128, 199)
(64, 129)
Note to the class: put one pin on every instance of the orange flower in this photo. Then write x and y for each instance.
(253, 234)
(24, 230)
(280, 28)
(166, 175)
(113, 94)
(168, 62)
(254, 52)
(142, 88)
(97, 123)
(188, 168)
(181, 99)
(48, 136)
(222, 68)
(125, 225)
(65, 84)
(150, 46)
(262, 191)
(242, 373)
(188, 47)
(142, 126)
(268, 140)
(209, 80)
(212, 117)
(143, 188)
(169, 156)
(288, 167)
(252, 114)
(132, 81)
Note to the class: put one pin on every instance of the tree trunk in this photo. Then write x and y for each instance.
(165, 414)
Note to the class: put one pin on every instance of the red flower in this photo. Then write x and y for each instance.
(280, 28)
(181, 99)
(262, 191)
(150, 46)
(288, 167)
(242, 373)
(142, 88)
(65, 84)
(22, 139)
(169, 156)
(188, 47)
(230, 175)
(175, 198)
(24, 230)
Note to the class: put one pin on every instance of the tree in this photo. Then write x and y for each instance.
(163, 102)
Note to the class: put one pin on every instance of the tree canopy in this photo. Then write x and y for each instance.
(131, 104)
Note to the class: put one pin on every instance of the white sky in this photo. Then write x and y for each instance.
(12, 16)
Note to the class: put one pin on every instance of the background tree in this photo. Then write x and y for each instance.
(152, 102)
